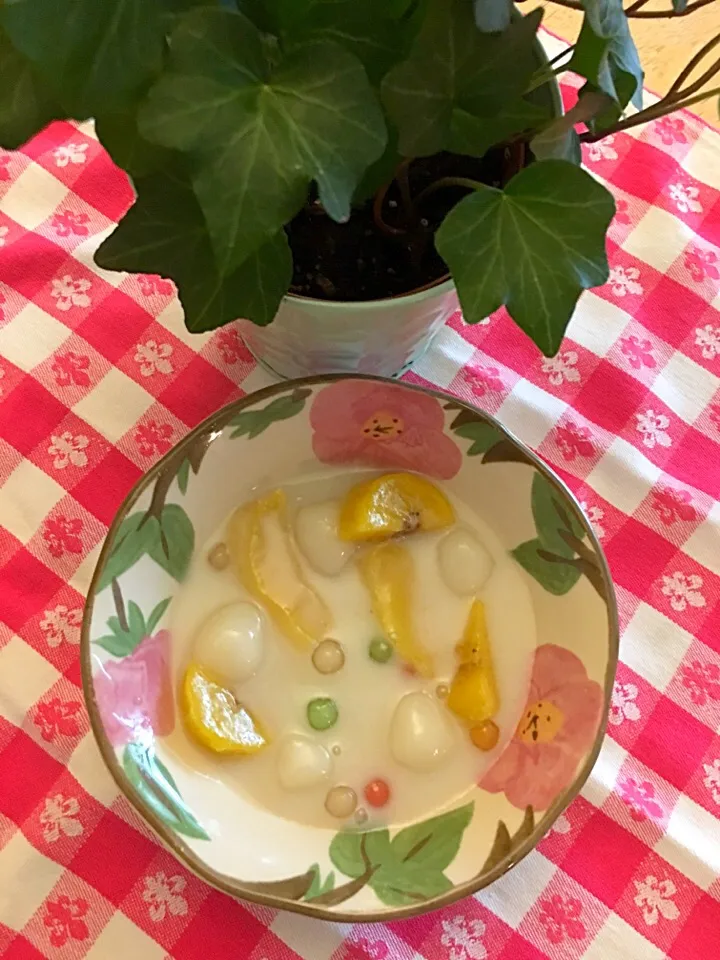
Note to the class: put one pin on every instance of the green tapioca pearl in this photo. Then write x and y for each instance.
(322, 713)
(380, 650)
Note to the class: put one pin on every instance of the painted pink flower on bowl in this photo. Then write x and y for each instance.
(555, 731)
(134, 695)
(382, 425)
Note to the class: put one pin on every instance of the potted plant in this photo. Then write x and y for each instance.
(333, 170)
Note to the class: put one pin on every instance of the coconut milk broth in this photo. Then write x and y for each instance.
(365, 692)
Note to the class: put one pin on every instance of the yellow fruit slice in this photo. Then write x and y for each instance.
(393, 504)
(473, 695)
(215, 719)
(388, 573)
(263, 555)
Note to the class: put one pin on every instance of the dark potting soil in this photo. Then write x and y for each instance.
(357, 260)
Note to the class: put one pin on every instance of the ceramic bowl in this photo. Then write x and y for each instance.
(127, 648)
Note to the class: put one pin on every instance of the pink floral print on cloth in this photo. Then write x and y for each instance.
(134, 695)
(556, 728)
(381, 425)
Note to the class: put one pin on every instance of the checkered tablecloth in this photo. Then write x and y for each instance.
(98, 378)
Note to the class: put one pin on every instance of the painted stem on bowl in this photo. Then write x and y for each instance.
(586, 561)
(347, 890)
(119, 605)
(291, 888)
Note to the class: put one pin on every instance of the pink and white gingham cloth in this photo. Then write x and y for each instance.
(98, 378)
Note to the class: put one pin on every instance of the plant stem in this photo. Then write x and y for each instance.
(559, 56)
(660, 14)
(570, 4)
(119, 605)
(293, 888)
(650, 113)
(377, 213)
(464, 182)
(161, 488)
(634, 9)
(349, 889)
(544, 75)
(401, 176)
(687, 70)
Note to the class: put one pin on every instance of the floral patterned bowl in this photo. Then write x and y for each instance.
(127, 648)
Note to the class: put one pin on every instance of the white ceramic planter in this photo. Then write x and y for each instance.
(381, 337)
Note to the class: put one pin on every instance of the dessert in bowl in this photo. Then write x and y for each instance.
(349, 648)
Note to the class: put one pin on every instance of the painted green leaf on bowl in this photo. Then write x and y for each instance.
(157, 787)
(405, 870)
(122, 639)
(251, 423)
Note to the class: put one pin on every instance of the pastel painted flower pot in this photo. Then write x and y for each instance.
(131, 670)
(379, 337)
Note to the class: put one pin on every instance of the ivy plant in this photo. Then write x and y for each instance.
(231, 116)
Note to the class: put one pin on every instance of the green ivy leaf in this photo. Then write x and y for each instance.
(118, 132)
(135, 537)
(165, 232)
(380, 172)
(605, 54)
(551, 516)
(359, 27)
(433, 844)
(258, 132)
(156, 615)
(534, 247)
(155, 784)
(492, 16)
(557, 144)
(346, 851)
(454, 68)
(95, 55)
(555, 577)
(26, 105)
(251, 423)
(473, 135)
(174, 546)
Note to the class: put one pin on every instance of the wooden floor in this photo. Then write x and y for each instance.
(665, 45)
